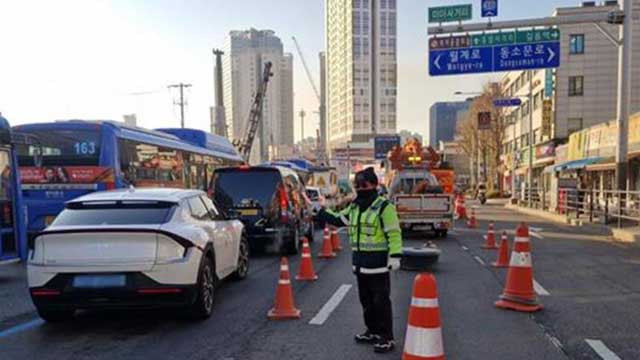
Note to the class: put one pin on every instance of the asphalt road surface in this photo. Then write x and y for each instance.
(590, 288)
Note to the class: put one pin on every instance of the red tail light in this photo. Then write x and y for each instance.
(160, 291)
(45, 292)
(284, 205)
(7, 214)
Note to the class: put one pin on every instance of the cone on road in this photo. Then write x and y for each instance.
(284, 307)
(461, 211)
(503, 252)
(490, 239)
(325, 231)
(423, 340)
(518, 291)
(306, 272)
(327, 248)
(472, 223)
(335, 240)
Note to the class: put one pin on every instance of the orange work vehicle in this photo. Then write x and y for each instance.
(420, 187)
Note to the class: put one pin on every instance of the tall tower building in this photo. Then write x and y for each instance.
(361, 70)
(246, 52)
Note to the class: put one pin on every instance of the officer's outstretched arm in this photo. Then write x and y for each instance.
(392, 230)
(340, 218)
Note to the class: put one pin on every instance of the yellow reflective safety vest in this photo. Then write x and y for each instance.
(374, 235)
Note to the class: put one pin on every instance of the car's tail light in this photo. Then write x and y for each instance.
(45, 292)
(284, 205)
(156, 291)
(7, 214)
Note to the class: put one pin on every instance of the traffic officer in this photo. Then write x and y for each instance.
(376, 243)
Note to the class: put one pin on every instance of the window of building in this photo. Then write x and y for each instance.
(573, 125)
(576, 44)
(392, 4)
(383, 4)
(392, 24)
(576, 85)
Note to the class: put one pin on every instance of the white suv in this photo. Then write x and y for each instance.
(135, 248)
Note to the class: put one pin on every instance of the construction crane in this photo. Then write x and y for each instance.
(320, 145)
(245, 143)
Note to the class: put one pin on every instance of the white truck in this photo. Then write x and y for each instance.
(420, 201)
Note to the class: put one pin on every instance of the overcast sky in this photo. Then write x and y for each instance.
(99, 59)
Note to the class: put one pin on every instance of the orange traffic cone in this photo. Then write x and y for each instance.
(503, 252)
(325, 231)
(461, 211)
(335, 240)
(490, 239)
(518, 291)
(472, 223)
(306, 272)
(327, 248)
(423, 340)
(284, 307)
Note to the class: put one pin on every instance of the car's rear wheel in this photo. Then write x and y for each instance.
(243, 260)
(202, 307)
(292, 245)
(50, 315)
(311, 231)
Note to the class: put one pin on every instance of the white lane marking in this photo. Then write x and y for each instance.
(331, 305)
(536, 235)
(601, 349)
(465, 248)
(539, 289)
(479, 260)
(10, 261)
(536, 229)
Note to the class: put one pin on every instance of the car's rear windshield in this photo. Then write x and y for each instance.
(313, 194)
(114, 213)
(245, 188)
(414, 182)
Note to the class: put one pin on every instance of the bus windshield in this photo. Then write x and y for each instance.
(61, 147)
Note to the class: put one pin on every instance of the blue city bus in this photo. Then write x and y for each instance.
(75, 157)
(13, 243)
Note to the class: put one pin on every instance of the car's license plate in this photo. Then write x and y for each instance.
(48, 220)
(99, 281)
(249, 212)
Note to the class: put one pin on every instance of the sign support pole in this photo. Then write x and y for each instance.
(624, 88)
(531, 140)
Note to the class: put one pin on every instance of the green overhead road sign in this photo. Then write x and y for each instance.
(515, 37)
(442, 14)
(529, 36)
(501, 38)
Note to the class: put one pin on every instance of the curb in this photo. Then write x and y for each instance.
(625, 236)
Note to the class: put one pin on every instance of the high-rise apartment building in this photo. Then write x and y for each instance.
(246, 53)
(361, 70)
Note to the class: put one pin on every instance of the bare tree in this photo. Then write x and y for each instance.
(484, 144)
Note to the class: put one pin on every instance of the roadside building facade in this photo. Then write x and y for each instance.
(361, 70)
(582, 93)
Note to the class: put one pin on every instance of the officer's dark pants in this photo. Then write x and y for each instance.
(374, 291)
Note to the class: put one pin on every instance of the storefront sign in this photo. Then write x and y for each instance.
(546, 117)
(545, 150)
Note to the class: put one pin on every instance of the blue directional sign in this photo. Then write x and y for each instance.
(508, 57)
(461, 61)
(507, 102)
(526, 56)
(489, 8)
(383, 144)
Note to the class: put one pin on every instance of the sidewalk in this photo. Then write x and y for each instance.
(14, 294)
(625, 235)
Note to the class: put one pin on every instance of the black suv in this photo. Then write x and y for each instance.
(270, 201)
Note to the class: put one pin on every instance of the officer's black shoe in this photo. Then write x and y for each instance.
(367, 338)
(384, 346)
